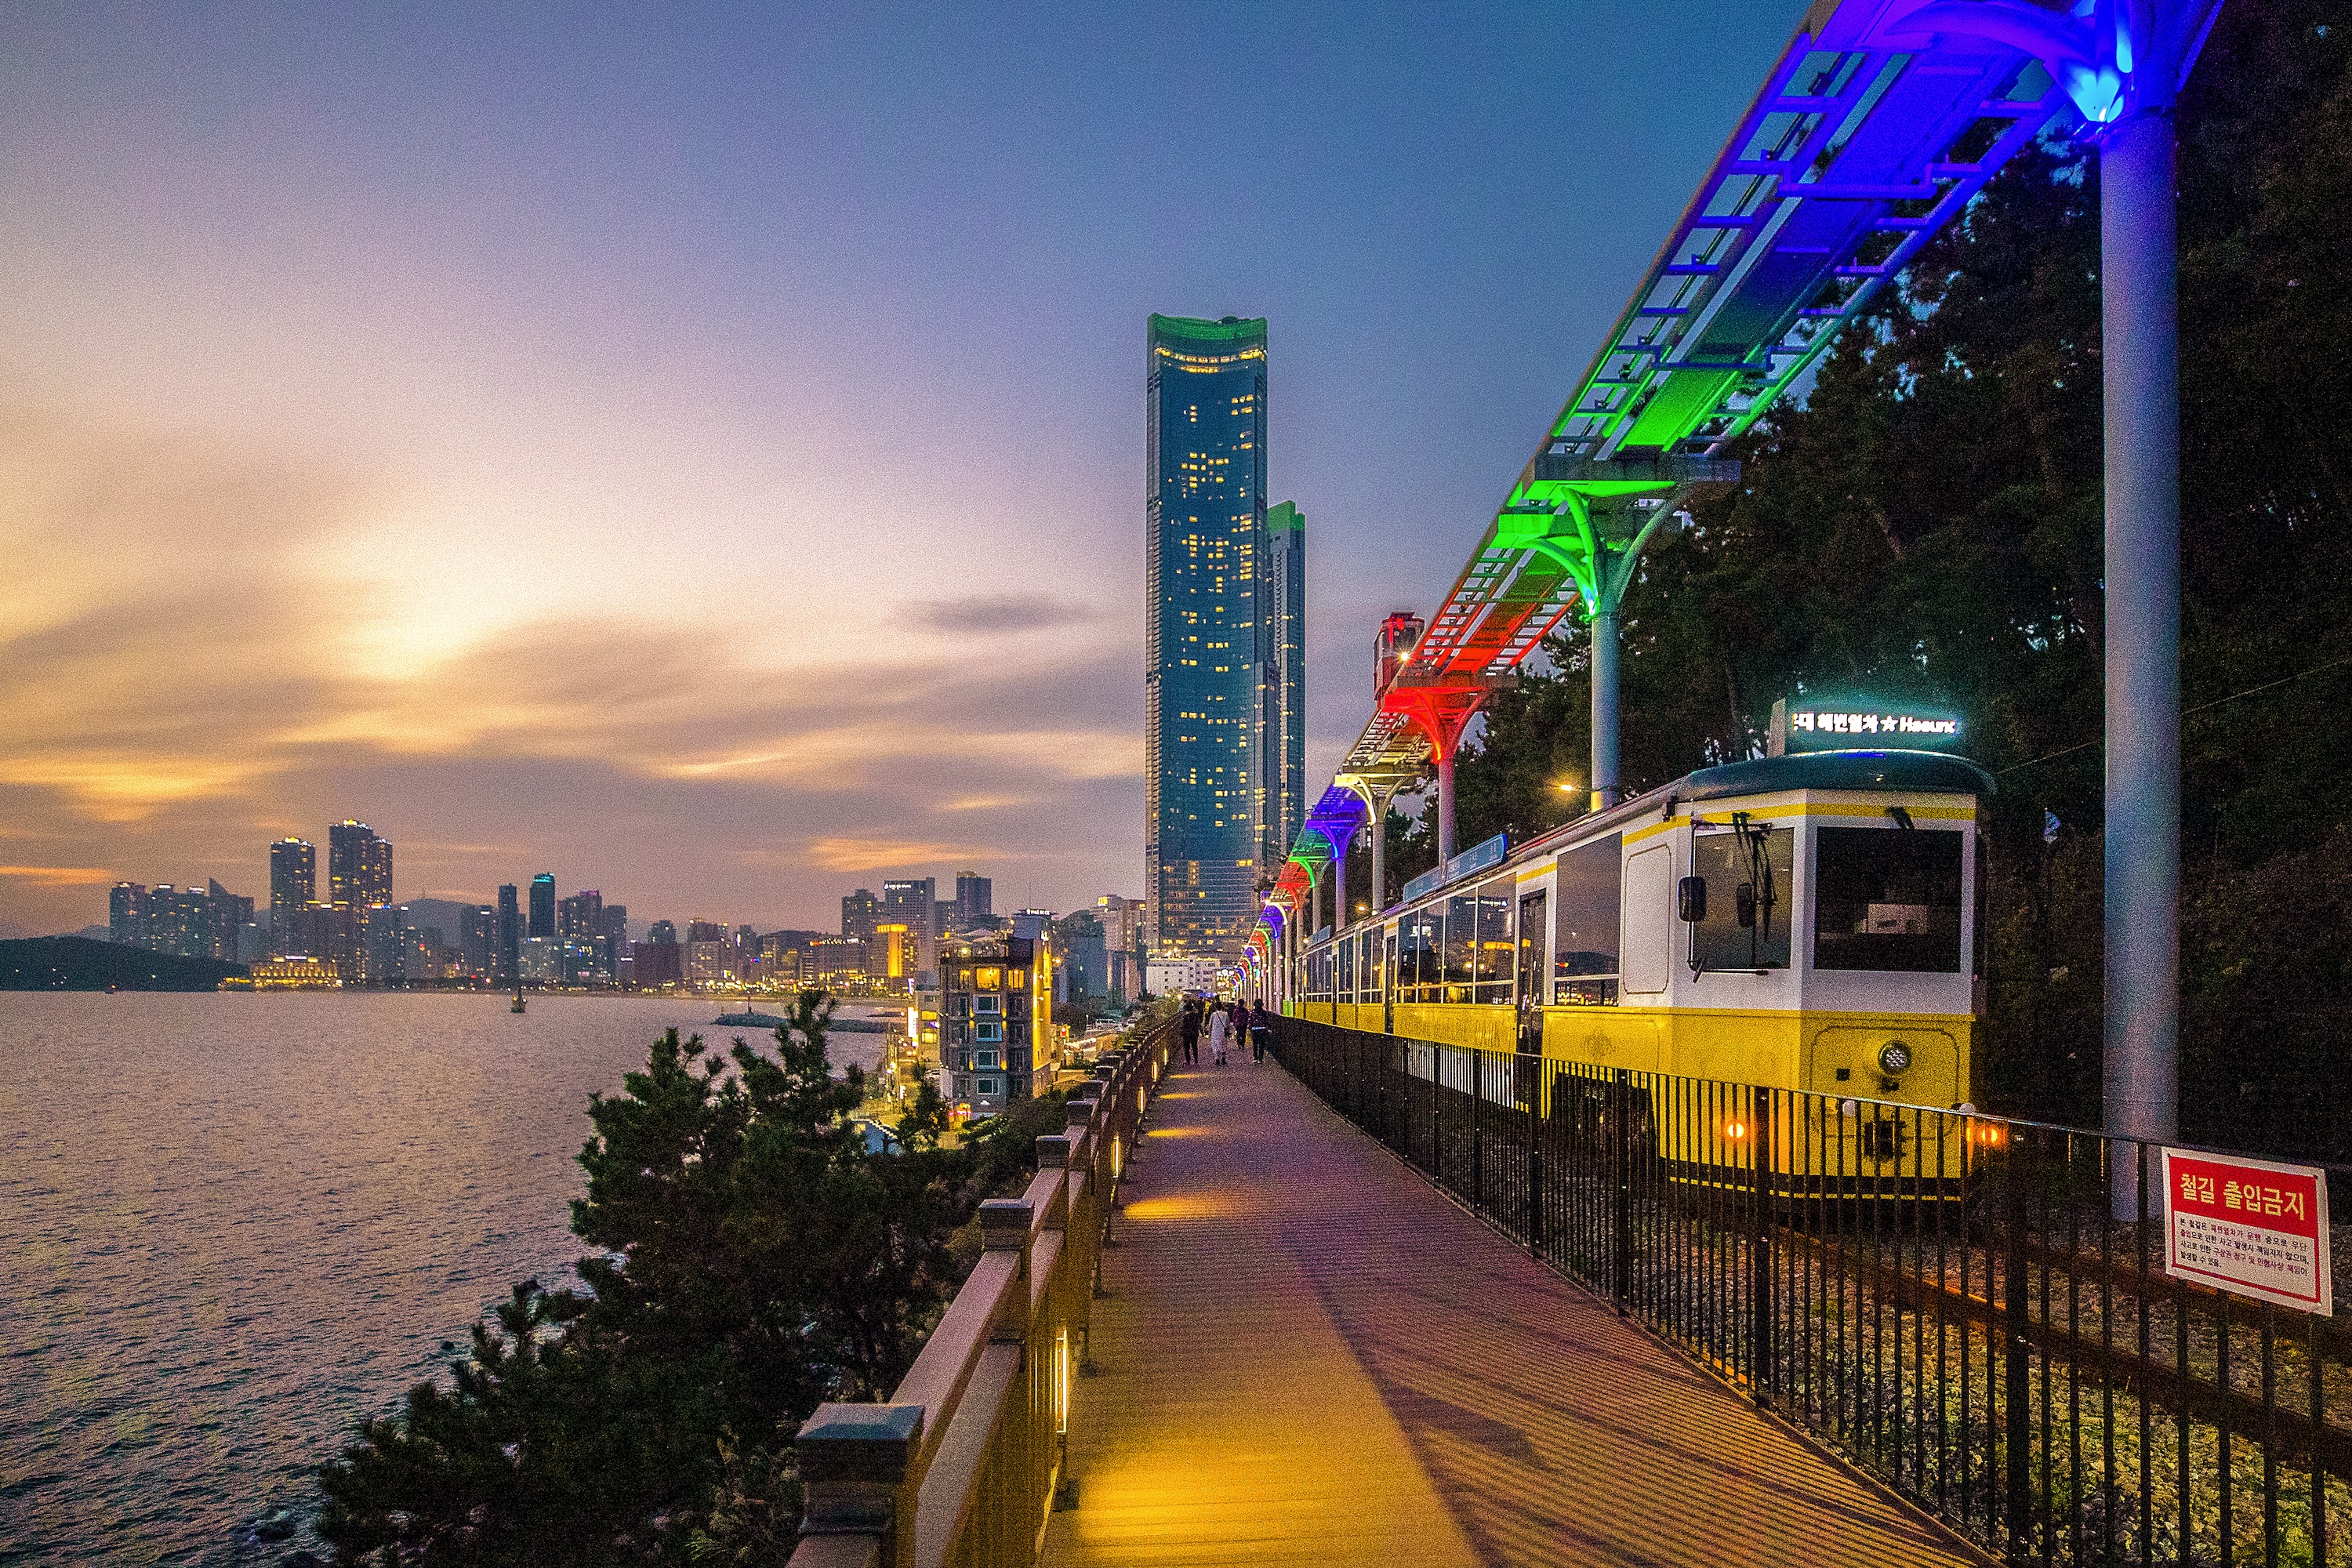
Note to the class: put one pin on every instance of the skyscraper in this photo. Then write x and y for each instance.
(543, 905)
(859, 910)
(507, 965)
(126, 914)
(1219, 692)
(293, 887)
(359, 866)
(912, 902)
(975, 900)
(1280, 805)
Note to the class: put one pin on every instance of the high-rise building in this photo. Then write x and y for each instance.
(480, 942)
(706, 930)
(227, 915)
(975, 900)
(1123, 951)
(859, 910)
(542, 906)
(509, 962)
(1215, 638)
(126, 914)
(913, 902)
(1280, 804)
(663, 934)
(580, 929)
(359, 866)
(293, 887)
(617, 954)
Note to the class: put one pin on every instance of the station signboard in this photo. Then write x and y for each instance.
(1856, 724)
(2254, 1227)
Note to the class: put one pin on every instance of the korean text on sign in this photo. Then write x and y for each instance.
(2252, 1226)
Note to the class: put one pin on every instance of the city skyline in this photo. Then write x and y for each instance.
(295, 879)
(696, 454)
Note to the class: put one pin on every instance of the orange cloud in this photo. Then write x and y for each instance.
(61, 876)
(880, 853)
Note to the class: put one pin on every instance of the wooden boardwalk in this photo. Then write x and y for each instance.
(1307, 1354)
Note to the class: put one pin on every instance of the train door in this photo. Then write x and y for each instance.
(1389, 982)
(1534, 969)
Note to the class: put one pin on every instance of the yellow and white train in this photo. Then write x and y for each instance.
(1808, 922)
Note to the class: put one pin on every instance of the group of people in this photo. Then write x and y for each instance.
(1224, 1026)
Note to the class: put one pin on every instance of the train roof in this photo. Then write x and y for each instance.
(1933, 772)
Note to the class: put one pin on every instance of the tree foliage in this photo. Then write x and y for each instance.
(751, 1260)
(1927, 524)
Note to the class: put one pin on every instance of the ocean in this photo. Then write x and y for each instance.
(235, 1224)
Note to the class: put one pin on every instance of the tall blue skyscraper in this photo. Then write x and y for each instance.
(1221, 810)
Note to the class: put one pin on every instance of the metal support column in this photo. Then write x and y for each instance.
(2139, 321)
(1445, 806)
(1339, 883)
(1603, 661)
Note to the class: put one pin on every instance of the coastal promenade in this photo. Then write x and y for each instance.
(1305, 1353)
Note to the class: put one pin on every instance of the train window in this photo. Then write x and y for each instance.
(1461, 947)
(1417, 955)
(1493, 940)
(1347, 970)
(1533, 966)
(1590, 896)
(1884, 899)
(1750, 885)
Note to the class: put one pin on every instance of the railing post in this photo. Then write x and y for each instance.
(1622, 1276)
(856, 1487)
(1534, 1168)
(1477, 1149)
(2016, 1368)
(1759, 1249)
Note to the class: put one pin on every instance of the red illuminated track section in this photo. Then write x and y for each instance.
(1878, 124)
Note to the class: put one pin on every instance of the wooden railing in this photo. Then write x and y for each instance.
(960, 1465)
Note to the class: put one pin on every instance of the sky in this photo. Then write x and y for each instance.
(698, 451)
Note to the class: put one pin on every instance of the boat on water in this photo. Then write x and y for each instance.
(748, 1021)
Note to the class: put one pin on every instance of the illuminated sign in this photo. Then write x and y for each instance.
(1859, 726)
(2252, 1227)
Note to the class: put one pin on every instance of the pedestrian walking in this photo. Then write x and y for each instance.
(1187, 1031)
(1260, 1027)
(1220, 1029)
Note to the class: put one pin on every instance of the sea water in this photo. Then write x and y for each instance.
(232, 1225)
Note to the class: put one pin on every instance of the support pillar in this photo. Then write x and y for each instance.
(1444, 804)
(2139, 332)
(1340, 885)
(1604, 670)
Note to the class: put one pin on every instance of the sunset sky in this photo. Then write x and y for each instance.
(699, 452)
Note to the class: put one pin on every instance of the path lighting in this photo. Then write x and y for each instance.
(1061, 1382)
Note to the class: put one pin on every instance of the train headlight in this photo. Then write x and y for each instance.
(1894, 1057)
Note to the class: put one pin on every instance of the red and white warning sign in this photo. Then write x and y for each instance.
(2250, 1227)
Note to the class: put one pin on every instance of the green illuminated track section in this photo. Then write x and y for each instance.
(1870, 134)
(1878, 124)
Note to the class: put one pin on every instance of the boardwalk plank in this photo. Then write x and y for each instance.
(1309, 1356)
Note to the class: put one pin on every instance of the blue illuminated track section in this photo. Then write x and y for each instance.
(1881, 120)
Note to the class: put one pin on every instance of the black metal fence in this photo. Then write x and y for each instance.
(1944, 1298)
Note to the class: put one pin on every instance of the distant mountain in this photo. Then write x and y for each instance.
(77, 963)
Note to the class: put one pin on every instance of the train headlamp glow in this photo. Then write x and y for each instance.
(1735, 1131)
(1894, 1056)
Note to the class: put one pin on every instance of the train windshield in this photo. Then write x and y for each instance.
(1749, 896)
(1887, 898)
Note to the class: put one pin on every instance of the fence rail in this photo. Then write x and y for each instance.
(958, 1469)
(1944, 1298)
